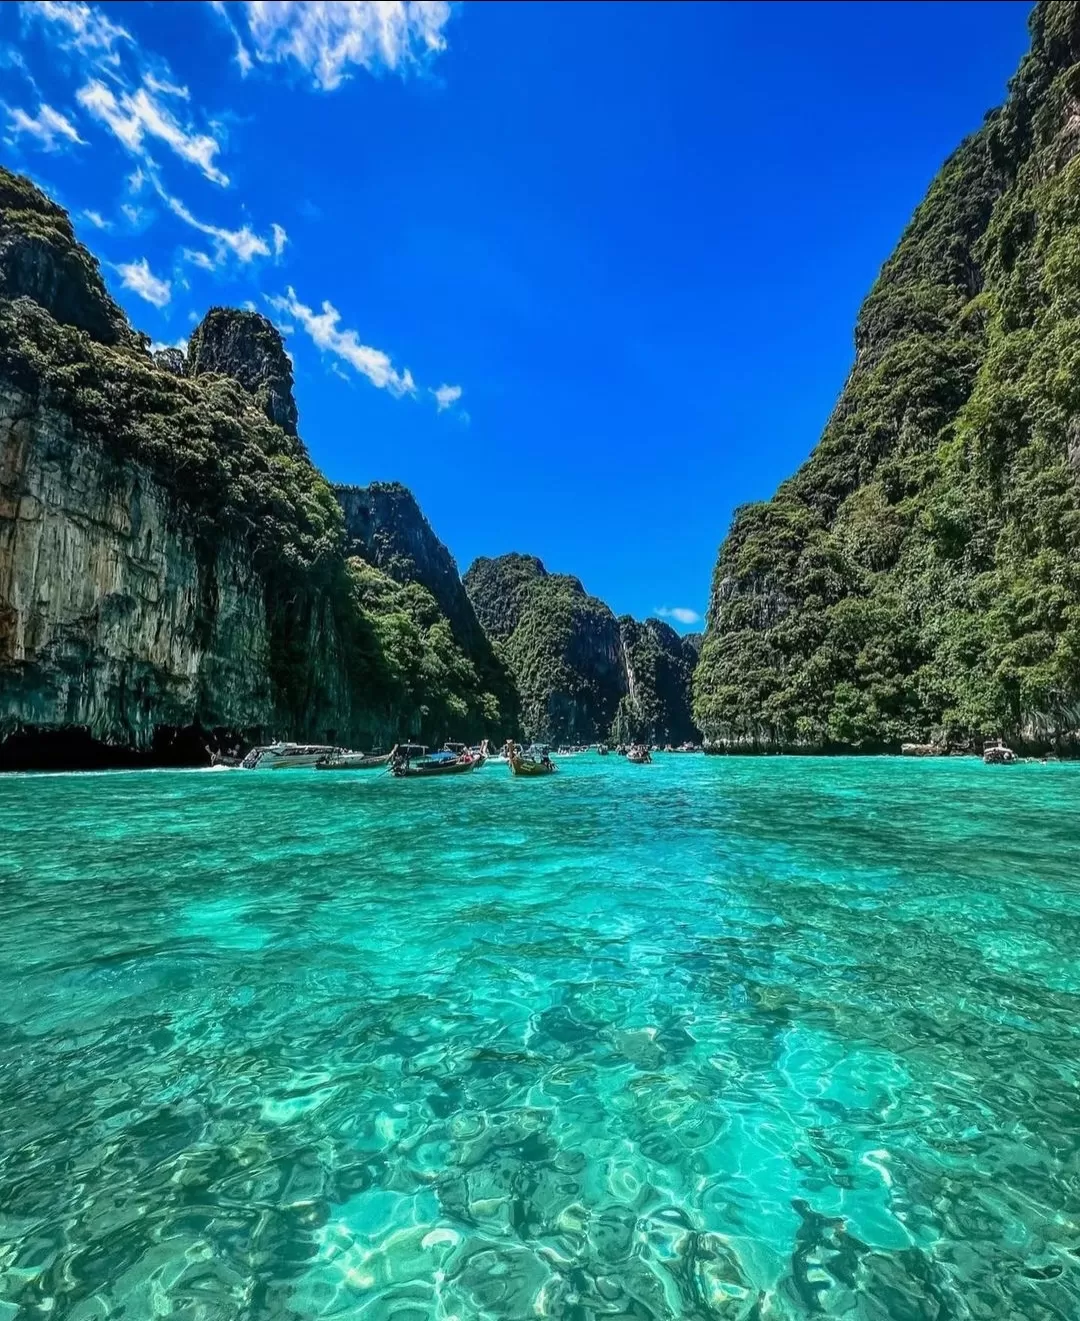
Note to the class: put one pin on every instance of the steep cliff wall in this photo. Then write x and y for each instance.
(659, 668)
(919, 576)
(583, 675)
(173, 570)
(562, 646)
(246, 347)
(110, 619)
(386, 527)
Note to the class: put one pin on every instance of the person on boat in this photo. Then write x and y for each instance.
(545, 759)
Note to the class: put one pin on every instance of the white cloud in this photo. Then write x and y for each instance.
(680, 613)
(49, 126)
(324, 329)
(243, 243)
(140, 279)
(134, 214)
(201, 259)
(326, 37)
(97, 220)
(165, 88)
(158, 345)
(446, 395)
(11, 58)
(280, 239)
(134, 116)
(80, 27)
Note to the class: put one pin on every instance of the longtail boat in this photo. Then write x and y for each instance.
(523, 764)
(356, 761)
(446, 762)
(639, 755)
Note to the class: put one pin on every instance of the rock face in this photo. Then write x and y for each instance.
(659, 668)
(386, 527)
(562, 645)
(41, 260)
(917, 579)
(583, 675)
(247, 347)
(105, 623)
(173, 571)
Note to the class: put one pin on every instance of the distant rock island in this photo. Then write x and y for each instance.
(583, 675)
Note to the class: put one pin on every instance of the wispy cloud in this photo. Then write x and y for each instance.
(324, 329)
(134, 215)
(51, 129)
(242, 243)
(140, 279)
(201, 259)
(81, 27)
(135, 116)
(280, 239)
(327, 37)
(126, 89)
(680, 613)
(97, 220)
(242, 55)
(446, 395)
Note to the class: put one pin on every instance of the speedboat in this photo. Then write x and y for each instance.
(288, 756)
(639, 755)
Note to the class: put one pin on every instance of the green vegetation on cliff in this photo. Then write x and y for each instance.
(583, 675)
(562, 646)
(350, 650)
(386, 527)
(919, 577)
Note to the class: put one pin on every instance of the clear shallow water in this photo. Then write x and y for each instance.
(708, 1039)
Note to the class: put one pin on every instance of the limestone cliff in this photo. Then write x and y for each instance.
(562, 646)
(247, 347)
(386, 527)
(918, 579)
(173, 569)
(659, 668)
(582, 674)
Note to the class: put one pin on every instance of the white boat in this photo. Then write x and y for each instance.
(288, 756)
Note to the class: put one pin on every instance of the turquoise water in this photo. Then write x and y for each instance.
(710, 1038)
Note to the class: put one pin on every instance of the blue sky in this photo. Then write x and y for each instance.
(584, 277)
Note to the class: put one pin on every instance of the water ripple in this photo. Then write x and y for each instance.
(709, 1039)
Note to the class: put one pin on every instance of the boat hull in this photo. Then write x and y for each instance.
(357, 764)
(530, 769)
(269, 761)
(433, 772)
